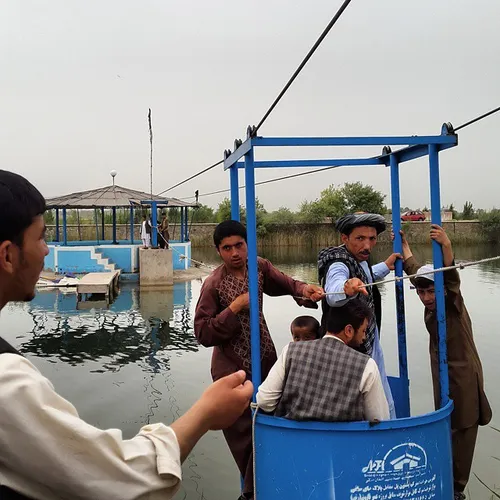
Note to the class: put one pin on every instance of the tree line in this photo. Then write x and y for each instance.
(332, 203)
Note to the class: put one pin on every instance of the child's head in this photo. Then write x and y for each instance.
(424, 284)
(304, 328)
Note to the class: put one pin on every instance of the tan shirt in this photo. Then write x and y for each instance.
(48, 452)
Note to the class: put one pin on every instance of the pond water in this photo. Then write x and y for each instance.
(138, 362)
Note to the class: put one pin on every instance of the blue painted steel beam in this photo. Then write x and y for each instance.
(114, 225)
(65, 227)
(350, 141)
(253, 284)
(400, 299)
(437, 254)
(154, 224)
(103, 226)
(413, 152)
(235, 196)
(131, 224)
(239, 153)
(339, 162)
(57, 225)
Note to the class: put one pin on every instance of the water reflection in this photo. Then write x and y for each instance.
(138, 326)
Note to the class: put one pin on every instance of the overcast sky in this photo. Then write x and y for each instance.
(77, 79)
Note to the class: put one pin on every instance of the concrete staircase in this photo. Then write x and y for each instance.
(103, 261)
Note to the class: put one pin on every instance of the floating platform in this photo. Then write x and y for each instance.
(93, 284)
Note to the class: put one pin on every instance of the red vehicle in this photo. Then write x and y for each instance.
(413, 215)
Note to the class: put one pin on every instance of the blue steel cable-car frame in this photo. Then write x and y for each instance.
(278, 442)
(416, 147)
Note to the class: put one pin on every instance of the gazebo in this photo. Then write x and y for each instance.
(101, 254)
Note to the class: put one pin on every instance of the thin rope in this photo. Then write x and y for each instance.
(323, 35)
(479, 118)
(181, 255)
(269, 181)
(192, 177)
(411, 276)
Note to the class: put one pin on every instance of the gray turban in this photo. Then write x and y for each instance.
(347, 223)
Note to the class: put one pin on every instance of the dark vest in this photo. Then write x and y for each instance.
(329, 256)
(322, 379)
(7, 493)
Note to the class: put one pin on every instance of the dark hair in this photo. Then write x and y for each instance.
(422, 282)
(306, 322)
(229, 228)
(20, 203)
(353, 313)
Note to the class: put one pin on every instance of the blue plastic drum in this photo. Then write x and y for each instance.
(408, 458)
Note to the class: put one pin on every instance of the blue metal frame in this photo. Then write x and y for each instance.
(65, 227)
(57, 226)
(113, 211)
(416, 147)
(131, 224)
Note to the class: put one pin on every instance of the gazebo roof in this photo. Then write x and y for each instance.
(112, 196)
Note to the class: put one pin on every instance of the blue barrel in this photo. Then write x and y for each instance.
(408, 458)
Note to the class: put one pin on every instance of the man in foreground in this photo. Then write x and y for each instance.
(47, 451)
(327, 379)
(471, 407)
(222, 321)
(343, 271)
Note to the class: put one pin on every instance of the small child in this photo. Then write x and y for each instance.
(304, 328)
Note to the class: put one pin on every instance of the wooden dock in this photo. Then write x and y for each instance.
(98, 284)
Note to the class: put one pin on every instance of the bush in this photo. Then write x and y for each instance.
(490, 224)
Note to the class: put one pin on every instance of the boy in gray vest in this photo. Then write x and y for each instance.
(327, 379)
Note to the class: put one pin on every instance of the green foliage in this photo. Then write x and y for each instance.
(454, 214)
(203, 214)
(359, 197)
(491, 224)
(468, 212)
(49, 218)
(337, 201)
(281, 216)
(223, 213)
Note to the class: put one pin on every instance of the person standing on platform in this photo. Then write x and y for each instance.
(146, 232)
(471, 406)
(222, 321)
(164, 236)
(343, 272)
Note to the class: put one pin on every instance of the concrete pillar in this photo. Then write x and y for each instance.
(155, 267)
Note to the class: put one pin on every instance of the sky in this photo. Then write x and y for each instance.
(77, 79)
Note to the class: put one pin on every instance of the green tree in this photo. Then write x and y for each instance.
(311, 212)
(223, 211)
(468, 212)
(490, 223)
(362, 198)
(203, 214)
(451, 208)
(335, 202)
(49, 218)
(281, 216)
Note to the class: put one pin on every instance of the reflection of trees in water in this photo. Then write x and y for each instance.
(116, 338)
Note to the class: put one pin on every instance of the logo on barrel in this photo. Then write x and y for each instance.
(404, 458)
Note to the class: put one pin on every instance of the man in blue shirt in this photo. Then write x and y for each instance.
(343, 272)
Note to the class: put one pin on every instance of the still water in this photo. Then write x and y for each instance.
(139, 362)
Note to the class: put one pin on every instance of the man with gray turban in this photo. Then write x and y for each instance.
(343, 272)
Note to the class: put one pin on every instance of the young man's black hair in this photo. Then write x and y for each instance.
(229, 228)
(20, 203)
